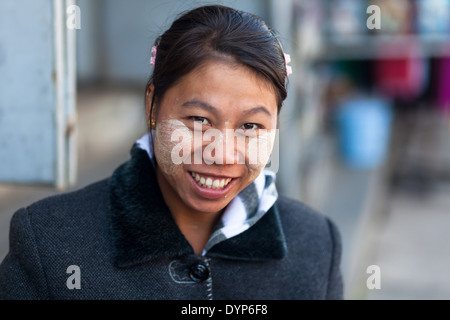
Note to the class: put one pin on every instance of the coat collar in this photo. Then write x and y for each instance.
(143, 229)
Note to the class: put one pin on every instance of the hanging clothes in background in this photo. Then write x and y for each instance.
(443, 89)
(401, 71)
(433, 20)
(397, 17)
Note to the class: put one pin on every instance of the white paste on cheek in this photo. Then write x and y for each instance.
(173, 141)
(259, 149)
(174, 145)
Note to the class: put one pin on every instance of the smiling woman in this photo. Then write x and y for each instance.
(233, 90)
(192, 214)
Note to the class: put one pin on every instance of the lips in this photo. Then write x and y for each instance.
(210, 186)
(210, 182)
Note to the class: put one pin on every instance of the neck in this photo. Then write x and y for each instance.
(196, 226)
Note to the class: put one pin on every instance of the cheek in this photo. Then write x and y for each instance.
(171, 137)
(258, 152)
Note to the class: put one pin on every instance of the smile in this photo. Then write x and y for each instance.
(210, 182)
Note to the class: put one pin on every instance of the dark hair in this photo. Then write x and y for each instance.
(217, 32)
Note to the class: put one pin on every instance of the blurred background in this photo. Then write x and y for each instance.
(364, 133)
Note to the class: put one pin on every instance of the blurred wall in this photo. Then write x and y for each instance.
(27, 91)
(116, 36)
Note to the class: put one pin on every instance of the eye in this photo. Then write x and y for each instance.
(203, 120)
(250, 126)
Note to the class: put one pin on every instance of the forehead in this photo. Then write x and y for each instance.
(225, 84)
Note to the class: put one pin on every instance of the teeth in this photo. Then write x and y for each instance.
(209, 182)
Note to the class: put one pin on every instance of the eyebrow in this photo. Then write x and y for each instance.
(210, 108)
(257, 110)
(201, 104)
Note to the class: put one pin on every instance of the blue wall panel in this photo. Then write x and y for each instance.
(27, 91)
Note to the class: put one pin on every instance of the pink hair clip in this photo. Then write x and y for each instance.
(287, 58)
(153, 58)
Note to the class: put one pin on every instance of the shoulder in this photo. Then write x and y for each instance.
(314, 246)
(83, 200)
(58, 216)
(51, 234)
(65, 221)
(304, 225)
(86, 195)
(300, 213)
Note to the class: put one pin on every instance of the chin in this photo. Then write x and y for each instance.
(207, 205)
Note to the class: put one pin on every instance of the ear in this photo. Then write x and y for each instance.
(148, 100)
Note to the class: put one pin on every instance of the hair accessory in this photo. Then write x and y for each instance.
(153, 58)
(287, 58)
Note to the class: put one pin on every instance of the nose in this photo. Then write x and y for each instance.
(234, 146)
(223, 147)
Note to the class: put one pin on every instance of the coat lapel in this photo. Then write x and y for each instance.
(263, 241)
(142, 227)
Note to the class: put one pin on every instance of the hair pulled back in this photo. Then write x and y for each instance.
(217, 32)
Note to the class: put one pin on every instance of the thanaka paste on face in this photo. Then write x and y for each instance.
(176, 144)
(164, 146)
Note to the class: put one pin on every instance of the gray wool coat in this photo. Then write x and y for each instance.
(116, 239)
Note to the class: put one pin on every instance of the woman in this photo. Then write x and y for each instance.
(192, 214)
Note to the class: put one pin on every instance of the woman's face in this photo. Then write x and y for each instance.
(209, 128)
